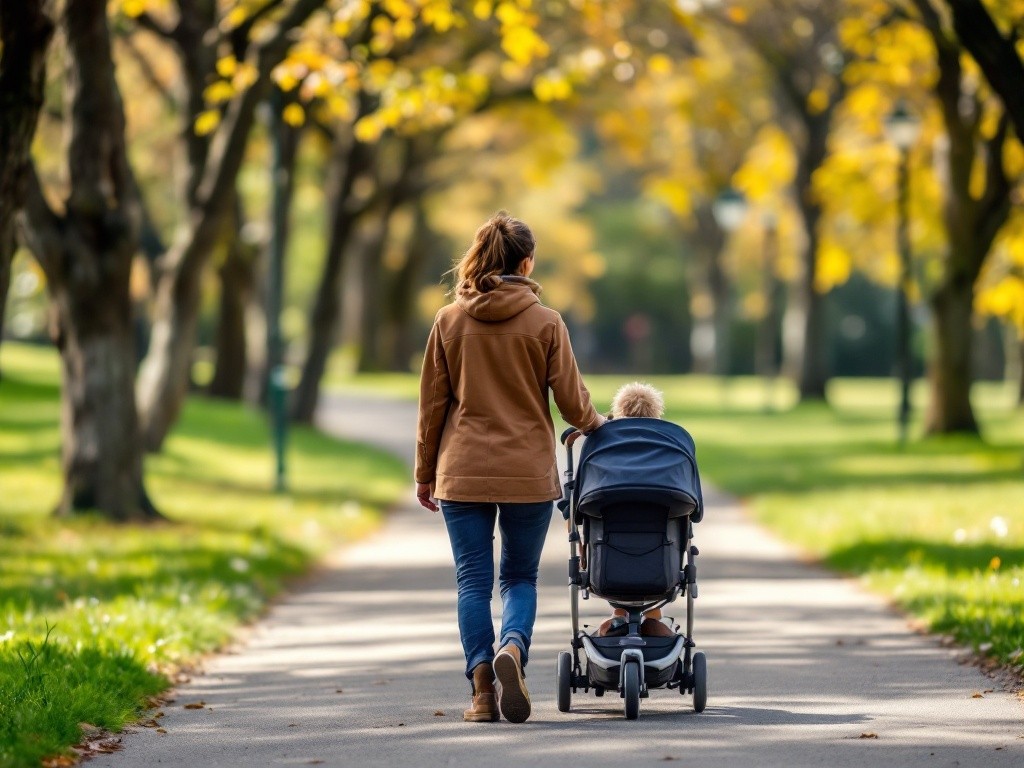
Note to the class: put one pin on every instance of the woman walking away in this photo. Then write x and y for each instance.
(485, 448)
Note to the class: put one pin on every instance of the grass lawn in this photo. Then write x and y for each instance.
(938, 527)
(93, 617)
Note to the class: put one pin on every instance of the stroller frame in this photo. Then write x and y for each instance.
(671, 663)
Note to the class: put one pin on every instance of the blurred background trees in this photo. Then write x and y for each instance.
(616, 130)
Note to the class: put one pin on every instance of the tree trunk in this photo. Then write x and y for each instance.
(399, 343)
(971, 220)
(165, 373)
(87, 256)
(350, 161)
(708, 334)
(25, 32)
(950, 370)
(721, 295)
(370, 249)
(237, 282)
(807, 355)
(236, 285)
(101, 456)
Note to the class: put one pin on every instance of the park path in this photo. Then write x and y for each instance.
(363, 667)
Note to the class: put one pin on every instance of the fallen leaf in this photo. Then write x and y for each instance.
(149, 724)
(159, 714)
(338, 690)
(196, 705)
(439, 713)
(977, 695)
(58, 762)
(400, 725)
(161, 730)
(869, 735)
(293, 725)
(988, 690)
(90, 731)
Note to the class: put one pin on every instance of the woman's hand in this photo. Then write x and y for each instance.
(425, 496)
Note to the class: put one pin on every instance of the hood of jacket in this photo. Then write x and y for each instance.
(510, 295)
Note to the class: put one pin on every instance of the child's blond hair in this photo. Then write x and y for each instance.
(638, 400)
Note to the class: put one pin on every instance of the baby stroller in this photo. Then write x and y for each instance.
(631, 509)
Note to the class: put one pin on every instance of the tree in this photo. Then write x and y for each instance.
(214, 165)
(25, 32)
(86, 252)
(973, 215)
(799, 45)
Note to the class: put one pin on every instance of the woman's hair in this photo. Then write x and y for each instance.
(500, 245)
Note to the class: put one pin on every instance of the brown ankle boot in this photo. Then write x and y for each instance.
(513, 698)
(484, 708)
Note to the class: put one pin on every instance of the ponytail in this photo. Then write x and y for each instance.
(500, 245)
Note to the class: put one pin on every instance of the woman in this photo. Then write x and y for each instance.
(485, 448)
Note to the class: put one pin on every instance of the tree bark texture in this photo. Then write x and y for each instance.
(950, 372)
(166, 371)
(237, 278)
(25, 33)
(87, 256)
(809, 361)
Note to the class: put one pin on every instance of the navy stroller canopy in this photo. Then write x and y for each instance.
(640, 460)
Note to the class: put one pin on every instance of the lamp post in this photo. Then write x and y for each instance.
(276, 385)
(729, 209)
(901, 129)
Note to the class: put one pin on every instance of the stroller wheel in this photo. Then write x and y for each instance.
(700, 681)
(631, 690)
(564, 681)
(598, 691)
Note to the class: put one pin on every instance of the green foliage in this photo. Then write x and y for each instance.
(93, 615)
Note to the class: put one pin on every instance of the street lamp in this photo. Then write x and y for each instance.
(901, 129)
(276, 385)
(729, 209)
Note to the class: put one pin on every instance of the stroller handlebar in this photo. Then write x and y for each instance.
(566, 433)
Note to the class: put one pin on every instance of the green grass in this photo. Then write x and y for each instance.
(93, 617)
(938, 526)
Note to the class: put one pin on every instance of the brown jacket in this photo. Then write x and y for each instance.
(485, 431)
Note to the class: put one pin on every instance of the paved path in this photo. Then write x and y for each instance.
(363, 668)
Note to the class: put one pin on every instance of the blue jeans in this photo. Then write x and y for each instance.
(471, 531)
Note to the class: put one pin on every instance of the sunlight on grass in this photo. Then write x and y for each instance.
(93, 615)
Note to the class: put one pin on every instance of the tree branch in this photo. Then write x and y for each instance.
(40, 228)
(996, 55)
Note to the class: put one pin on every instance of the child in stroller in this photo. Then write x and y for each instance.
(630, 511)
